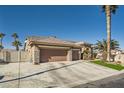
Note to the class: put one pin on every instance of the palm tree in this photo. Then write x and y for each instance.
(15, 36)
(16, 42)
(102, 46)
(109, 9)
(1, 40)
(114, 44)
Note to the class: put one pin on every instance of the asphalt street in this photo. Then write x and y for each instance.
(116, 81)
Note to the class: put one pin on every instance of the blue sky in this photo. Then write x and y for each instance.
(78, 23)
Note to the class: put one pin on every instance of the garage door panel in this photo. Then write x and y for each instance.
(57, 58)
(75, 55)
(50, 55)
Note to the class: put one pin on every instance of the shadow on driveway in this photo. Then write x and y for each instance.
(1, 77)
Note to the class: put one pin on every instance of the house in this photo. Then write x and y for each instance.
(116, 55)
(50, 49)
(119, 57)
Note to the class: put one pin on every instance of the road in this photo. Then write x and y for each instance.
(110, 82)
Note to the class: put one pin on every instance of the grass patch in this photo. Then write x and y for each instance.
(106, 64)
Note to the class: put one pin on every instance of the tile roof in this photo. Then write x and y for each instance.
(49, 39)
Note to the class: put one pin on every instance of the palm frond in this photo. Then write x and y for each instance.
(2, 35)
(15, 35)
(113, 8)
(102, 45)
(103, 8)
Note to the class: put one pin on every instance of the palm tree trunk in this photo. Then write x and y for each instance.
(108, 23)
(1, 43)
(17, 48)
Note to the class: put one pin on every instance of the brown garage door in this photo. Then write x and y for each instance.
(51, 55)
(75, 55)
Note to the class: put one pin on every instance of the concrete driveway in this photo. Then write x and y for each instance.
(52, 74)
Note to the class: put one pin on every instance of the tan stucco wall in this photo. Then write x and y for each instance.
(35, 54)
(14, 56)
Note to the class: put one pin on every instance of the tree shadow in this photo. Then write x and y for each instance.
(39, 73)
(2, 62)
(1, 77)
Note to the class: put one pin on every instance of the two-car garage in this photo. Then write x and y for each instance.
(52, 55)
(52, 49)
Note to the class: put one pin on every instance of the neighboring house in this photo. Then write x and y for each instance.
(49, 49)
(99, 55)
(116, 55)
(102, 55)
(119, 57)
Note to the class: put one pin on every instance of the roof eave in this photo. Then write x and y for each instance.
(56, 44)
